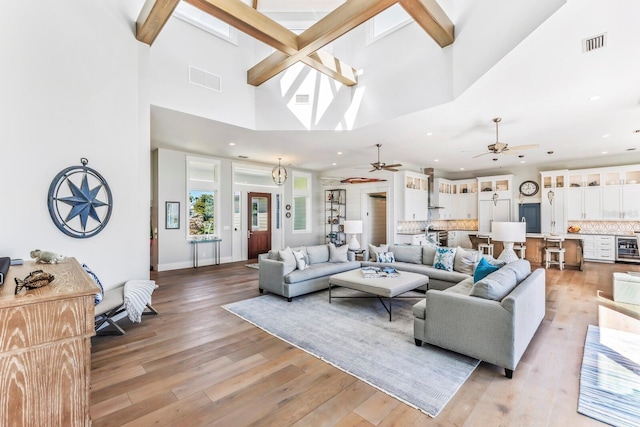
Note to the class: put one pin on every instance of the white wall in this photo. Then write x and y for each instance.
(71, 87)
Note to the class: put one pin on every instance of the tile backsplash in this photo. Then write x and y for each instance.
(607, 227)
(419, 226)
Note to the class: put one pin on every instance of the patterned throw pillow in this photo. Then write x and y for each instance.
(100, 295)
(374, 250)
(385, 257)
(444, 258)
(301, 260)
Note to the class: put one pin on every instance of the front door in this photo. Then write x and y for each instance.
(259, 231)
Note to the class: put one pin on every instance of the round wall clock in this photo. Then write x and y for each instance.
(529, 188)
(80, 201)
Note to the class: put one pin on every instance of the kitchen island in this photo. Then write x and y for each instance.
(573, 244)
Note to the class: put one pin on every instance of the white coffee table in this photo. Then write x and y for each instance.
(387, 287)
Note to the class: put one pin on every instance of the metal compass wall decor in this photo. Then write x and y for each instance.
(80, 201)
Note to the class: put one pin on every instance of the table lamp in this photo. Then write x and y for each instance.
(508, 233)
(353, 227)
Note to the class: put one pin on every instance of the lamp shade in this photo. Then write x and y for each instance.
(353, 227)
(509, 231)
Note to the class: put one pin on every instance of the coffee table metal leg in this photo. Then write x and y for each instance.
(329, 292)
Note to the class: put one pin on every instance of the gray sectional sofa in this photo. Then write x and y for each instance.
(280, 277)
(492, 320)
(420, 259)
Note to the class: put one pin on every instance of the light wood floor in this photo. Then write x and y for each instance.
(195, 364)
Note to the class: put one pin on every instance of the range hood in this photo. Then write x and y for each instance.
(431, 184)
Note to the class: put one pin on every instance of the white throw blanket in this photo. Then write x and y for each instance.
(137, 294)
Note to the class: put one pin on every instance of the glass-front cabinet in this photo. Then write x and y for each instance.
(552, 201)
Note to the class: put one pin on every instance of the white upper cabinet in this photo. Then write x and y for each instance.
(552, 201)
(414, 196)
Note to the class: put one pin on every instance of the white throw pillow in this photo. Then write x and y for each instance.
(338, 253)
(289, 260)
(466, 260)
(301, 260)
(373, 251)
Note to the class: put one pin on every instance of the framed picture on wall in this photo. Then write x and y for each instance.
(172, 214)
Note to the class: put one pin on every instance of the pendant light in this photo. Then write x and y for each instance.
(279, 173)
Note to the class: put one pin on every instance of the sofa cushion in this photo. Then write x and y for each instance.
(338, 253)
(385, 257)
(302, 261)
(318, 253)
(286, 256)
(466, 260)
(496, 285)
(522, 268)
(462, 288)
(322, 269)
(420, 309)
(444, 258)
(407, 253)
(373, 251)
(428, 254)
(483, 269)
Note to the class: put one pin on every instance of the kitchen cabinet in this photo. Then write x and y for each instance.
(584, 203)
(552, 202)
(459, 238)
(494, 200)
(414, 195)
(457, 199)
(599, 247)
(335, 206)
(488, 212)
(620, 196)
(411, 239)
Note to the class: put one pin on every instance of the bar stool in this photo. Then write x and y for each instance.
(553, 251)
(485, 248)
(521, 247)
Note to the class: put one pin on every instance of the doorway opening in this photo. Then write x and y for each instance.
(376, 223)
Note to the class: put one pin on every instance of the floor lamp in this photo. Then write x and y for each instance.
(508, 233)
(353, 227)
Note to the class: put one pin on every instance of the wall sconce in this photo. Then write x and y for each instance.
(279, 173)
(521, 198)
(551, 196)
(495, 199)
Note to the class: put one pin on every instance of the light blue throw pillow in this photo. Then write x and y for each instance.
(385, 257)
(483, 269)
(444, 258)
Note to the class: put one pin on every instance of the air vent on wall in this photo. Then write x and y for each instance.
(594, 43)
(302, 99)
(205, 79)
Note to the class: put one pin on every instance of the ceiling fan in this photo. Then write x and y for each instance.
(502, 148)
(378, 166)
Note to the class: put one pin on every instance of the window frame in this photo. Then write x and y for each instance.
(197, 184)
(308, 195)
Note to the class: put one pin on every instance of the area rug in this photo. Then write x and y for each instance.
(355, 335)
(254, 265)
(610, 377)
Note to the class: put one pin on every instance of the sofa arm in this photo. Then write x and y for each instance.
(469, 325)
(271, 276)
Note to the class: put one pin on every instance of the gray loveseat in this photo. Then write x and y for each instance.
(419, 259)
(277, 276)
(493, 320)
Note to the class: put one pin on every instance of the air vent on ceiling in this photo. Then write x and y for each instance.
(594, 43)
(205, 79)
(302, 99)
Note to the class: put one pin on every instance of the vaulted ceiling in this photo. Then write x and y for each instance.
(583, 107)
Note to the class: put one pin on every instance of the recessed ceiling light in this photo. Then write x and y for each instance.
(603, 152)
(339, 153)
(631, 149)
(522, 161)
(243, 157)
(429, 133)
(606, 135)
(334, 164)
(436, 160)
(232, 143)
(594, 98)
(549, 152)
(636, 131)
(461, 169)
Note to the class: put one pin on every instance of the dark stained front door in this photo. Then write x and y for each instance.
(259, 231)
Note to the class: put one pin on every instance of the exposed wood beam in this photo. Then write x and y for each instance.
(430, 16)
(255, 4)
(259, 26)
(251, 22)
(337, 23)
(153, 15)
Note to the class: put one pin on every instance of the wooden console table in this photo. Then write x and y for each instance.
(45, 347)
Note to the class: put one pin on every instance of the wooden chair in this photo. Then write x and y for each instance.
(520, 248)
(553, 251)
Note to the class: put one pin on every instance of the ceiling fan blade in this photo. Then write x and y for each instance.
(387, 168)
(488, 152)
(523, 147)
(396, 165)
